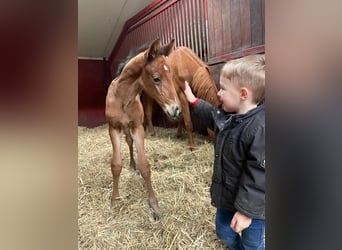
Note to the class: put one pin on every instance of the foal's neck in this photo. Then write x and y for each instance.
(128, 85)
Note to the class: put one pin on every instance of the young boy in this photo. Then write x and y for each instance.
(238, 181)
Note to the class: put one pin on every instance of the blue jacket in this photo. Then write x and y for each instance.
(238, 181)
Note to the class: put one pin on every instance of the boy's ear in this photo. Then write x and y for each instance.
(244, 92)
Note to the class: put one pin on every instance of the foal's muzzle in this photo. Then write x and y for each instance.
(173, 111)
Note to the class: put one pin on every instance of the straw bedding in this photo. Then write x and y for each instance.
(181, 180)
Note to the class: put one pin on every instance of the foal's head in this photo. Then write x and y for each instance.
(157, 78)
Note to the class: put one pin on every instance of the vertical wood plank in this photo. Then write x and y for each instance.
(211, 29)
(226, 30)
(245, 22)
(217, 27)
(235, 24)
(263, 20)
(201, 27)
(256, 22)
(205, 37)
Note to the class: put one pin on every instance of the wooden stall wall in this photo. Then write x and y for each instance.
(236, 28)
(91, 92)
(217, 30)
(183, 20)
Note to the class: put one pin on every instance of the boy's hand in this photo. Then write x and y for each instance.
(240, 222)
(188, 93)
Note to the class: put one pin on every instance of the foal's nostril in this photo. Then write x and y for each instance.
(173, 112)
(177, 111)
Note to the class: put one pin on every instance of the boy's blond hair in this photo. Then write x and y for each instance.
(249, 72)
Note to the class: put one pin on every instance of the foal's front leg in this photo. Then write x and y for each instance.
(116, 164)
(148, 110)
(187, 120)
(138, 135)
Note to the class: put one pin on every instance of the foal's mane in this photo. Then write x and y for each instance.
(132, 53)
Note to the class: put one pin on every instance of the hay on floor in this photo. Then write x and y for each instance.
(181, 179)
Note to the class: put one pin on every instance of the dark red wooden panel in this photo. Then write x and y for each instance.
(91, 84)
(91, 92)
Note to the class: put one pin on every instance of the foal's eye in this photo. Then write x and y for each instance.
(156, 80)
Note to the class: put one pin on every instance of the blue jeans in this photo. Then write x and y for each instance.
(251, 238)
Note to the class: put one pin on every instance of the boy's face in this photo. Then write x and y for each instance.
(229, 95)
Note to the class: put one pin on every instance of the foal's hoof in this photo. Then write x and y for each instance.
(114, 201)
(155, 210)
(156, 216)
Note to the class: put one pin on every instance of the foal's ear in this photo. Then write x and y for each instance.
(166, 50)
(153, 50)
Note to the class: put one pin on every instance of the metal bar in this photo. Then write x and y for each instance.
(161, 29)
(168, 29)
(187, 29)
(178, 25)
(165, 27)
(200, 27)
(191, 20)
(173, 23)
(182, 23)
(206, 32)
(195, 25)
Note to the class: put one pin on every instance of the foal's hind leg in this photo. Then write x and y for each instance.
(129, 141)
(148, 109)
(138, 136)
(116, 164)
